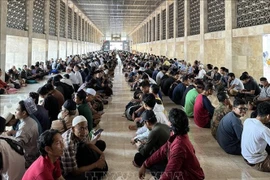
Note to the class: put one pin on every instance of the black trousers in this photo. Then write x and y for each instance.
(139, 159)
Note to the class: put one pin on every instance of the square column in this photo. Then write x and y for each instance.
(230, 24)
(187, 29)
(203, 27)
(175, 25)
(47, 27)
(66, 26)
(3, 29)
(58, 25)
(29, 27)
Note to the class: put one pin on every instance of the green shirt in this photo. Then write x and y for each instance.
(85, 111)
(156, 138)
(190, 101)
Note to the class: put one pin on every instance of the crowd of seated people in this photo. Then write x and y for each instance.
(189, 86)
(55, 132)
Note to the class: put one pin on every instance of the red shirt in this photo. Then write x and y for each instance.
(43, 169)
(182, 162)
(201, 115)
(3, 85)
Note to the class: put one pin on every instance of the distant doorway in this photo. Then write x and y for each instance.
(116, 45)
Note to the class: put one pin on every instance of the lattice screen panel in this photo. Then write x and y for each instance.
(163, 24)
(52, 21)
(69, 23)
(80, 28)
(150, 30)
(83, 30)
(75, 26)
(38, 16)
(216, 15)
(181, 18)
(171, 21)
(16, 14)
(62, 19)
(252, 12)
(154, 29)
(194, 17)
(158, 27)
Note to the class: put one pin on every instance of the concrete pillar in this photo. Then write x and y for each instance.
(47, 27)
(230, 24)
(187, 29)
(58, 25)
(3, 29)
(77, 32)
(66, 26)
(203, 27)
(175, 25)
(72, 29)
(29, 27)
(167, 26)
(160, 30)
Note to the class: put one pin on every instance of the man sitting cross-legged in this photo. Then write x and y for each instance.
(47, 166)
(203, 109)
(255, 139)
(159, 134)
(81, 158)
(12, 162)
(150, 103)
(264, 96)
(230, 128)
(221, 110)
(191, 97)
(178, 153)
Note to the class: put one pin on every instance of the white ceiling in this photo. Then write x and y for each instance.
(117, 16)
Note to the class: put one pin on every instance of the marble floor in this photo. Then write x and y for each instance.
(217, 165)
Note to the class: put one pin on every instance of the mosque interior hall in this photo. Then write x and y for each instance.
(65, 64)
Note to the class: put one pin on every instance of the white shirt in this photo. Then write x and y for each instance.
(201, 74)
(13, 162)
(255, 137)
(265, 93)
(238, 84)
(78, 77)
(73, 78)
(67, 81)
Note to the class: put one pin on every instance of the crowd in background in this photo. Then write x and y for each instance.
(55, 132)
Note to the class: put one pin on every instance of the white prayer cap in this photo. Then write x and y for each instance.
(91, 91)
(77, 120)
(8, 116)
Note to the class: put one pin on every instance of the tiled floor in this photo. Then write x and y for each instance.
(217, 165)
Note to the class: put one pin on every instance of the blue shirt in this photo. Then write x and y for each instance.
(229, 133)
(178, 93)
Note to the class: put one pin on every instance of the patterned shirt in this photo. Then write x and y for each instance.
(68, 159)
(220, 111)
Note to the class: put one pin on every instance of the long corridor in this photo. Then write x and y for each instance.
(119, 153)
